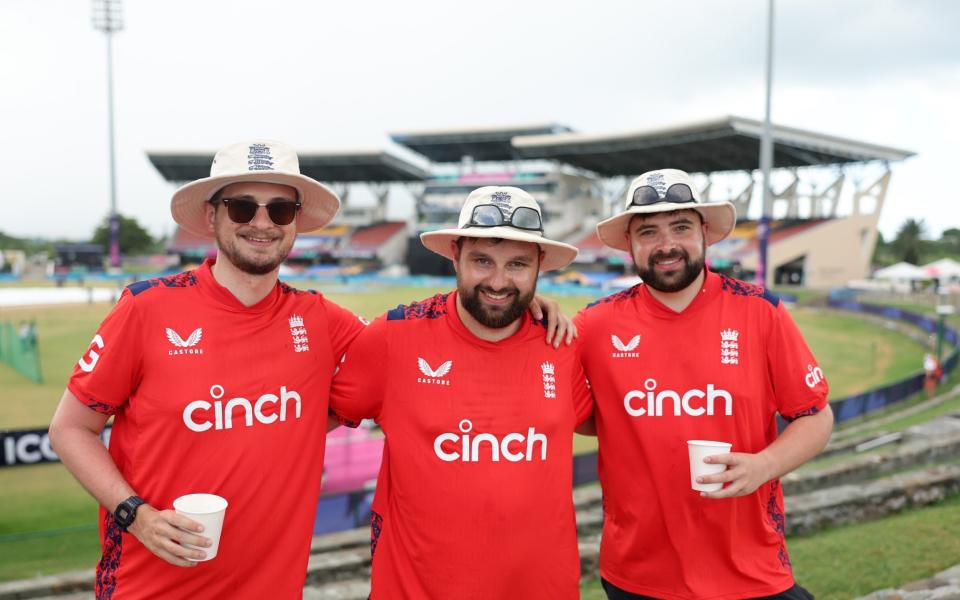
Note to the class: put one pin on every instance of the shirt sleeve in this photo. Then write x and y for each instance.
(358, 386)
(343, 327)
(799, 385)
(111, 367)
(582, 394)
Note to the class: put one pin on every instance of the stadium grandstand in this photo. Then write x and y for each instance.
(823, 233)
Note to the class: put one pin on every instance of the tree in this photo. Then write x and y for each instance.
(908, 244)
(134, 239)
(951, 239)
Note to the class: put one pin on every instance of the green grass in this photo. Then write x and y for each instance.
(920, 308)
(855, 354)
(803, 295)
(64, 332)
(855, 560)
(922, 416)
(45, 498)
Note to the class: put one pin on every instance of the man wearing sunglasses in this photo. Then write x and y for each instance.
(217, 380)
(474, 494)
(693, 355)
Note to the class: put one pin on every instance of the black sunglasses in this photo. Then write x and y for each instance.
(678, 193)
(491, 215)
(243, 210)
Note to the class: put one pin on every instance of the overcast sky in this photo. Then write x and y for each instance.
(199, 74)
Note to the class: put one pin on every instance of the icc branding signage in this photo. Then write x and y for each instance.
(31, 446)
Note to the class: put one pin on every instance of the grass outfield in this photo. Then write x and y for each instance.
(855, 355)
(855, 560)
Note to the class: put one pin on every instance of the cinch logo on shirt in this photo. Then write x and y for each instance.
(625, 350)
(650, 402)
(814, 376)
(223, 413)
(473, 451)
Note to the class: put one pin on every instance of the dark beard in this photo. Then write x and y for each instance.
(496, 318)
(673, 282)
(249, 267)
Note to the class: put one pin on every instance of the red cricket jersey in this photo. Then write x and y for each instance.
(474, 497)
(719, 370)
(211, 396)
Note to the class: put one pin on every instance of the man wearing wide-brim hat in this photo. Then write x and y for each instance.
(694, 355)
(218, 381)
(473, 498)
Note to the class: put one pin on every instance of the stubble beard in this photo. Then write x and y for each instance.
(251, 265)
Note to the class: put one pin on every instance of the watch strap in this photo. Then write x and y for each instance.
(126, 511)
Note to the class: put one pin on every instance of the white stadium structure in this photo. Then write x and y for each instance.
(825, 216)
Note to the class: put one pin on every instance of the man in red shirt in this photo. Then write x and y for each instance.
(218, 381)
(474, 498)
(693, 355)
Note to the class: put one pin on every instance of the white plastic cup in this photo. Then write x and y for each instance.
(208, 510)
(700, 449)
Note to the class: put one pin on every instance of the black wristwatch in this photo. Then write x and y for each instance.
(127, 511)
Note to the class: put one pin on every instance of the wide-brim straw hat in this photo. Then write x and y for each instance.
(721, 217)
(556, 255)
(260, 161)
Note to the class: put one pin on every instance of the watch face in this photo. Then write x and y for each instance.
(123, 513)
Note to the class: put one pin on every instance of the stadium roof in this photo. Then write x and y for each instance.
(483, 144)
(725, 144)
(346, 167)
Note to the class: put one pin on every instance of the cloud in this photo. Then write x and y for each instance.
(198, 75)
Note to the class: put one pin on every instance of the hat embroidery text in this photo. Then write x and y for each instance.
(259, 158)
(501, 199)
(656, 181)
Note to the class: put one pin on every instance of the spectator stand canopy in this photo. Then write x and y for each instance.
(831, 253)
(724, 144)
(491, 144)
(374, 166)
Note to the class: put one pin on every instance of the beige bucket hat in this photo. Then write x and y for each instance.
(516, 221)
(654, 192)
(261, 161)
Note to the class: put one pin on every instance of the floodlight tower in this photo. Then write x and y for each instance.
(108, 18)
(766, 162)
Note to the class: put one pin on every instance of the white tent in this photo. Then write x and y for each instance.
(944, 269)
(902, 271)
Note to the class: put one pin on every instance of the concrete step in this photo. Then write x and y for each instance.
(62, 585)
(945, 585)
(338, 565)
(865, 501)
(351, 538)
(926, 448)
(353, 589)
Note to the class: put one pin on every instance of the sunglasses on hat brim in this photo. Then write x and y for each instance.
(491, 215)
(678, 193)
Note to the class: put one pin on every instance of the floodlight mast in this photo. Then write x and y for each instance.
(766, 162)
(108, 18)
